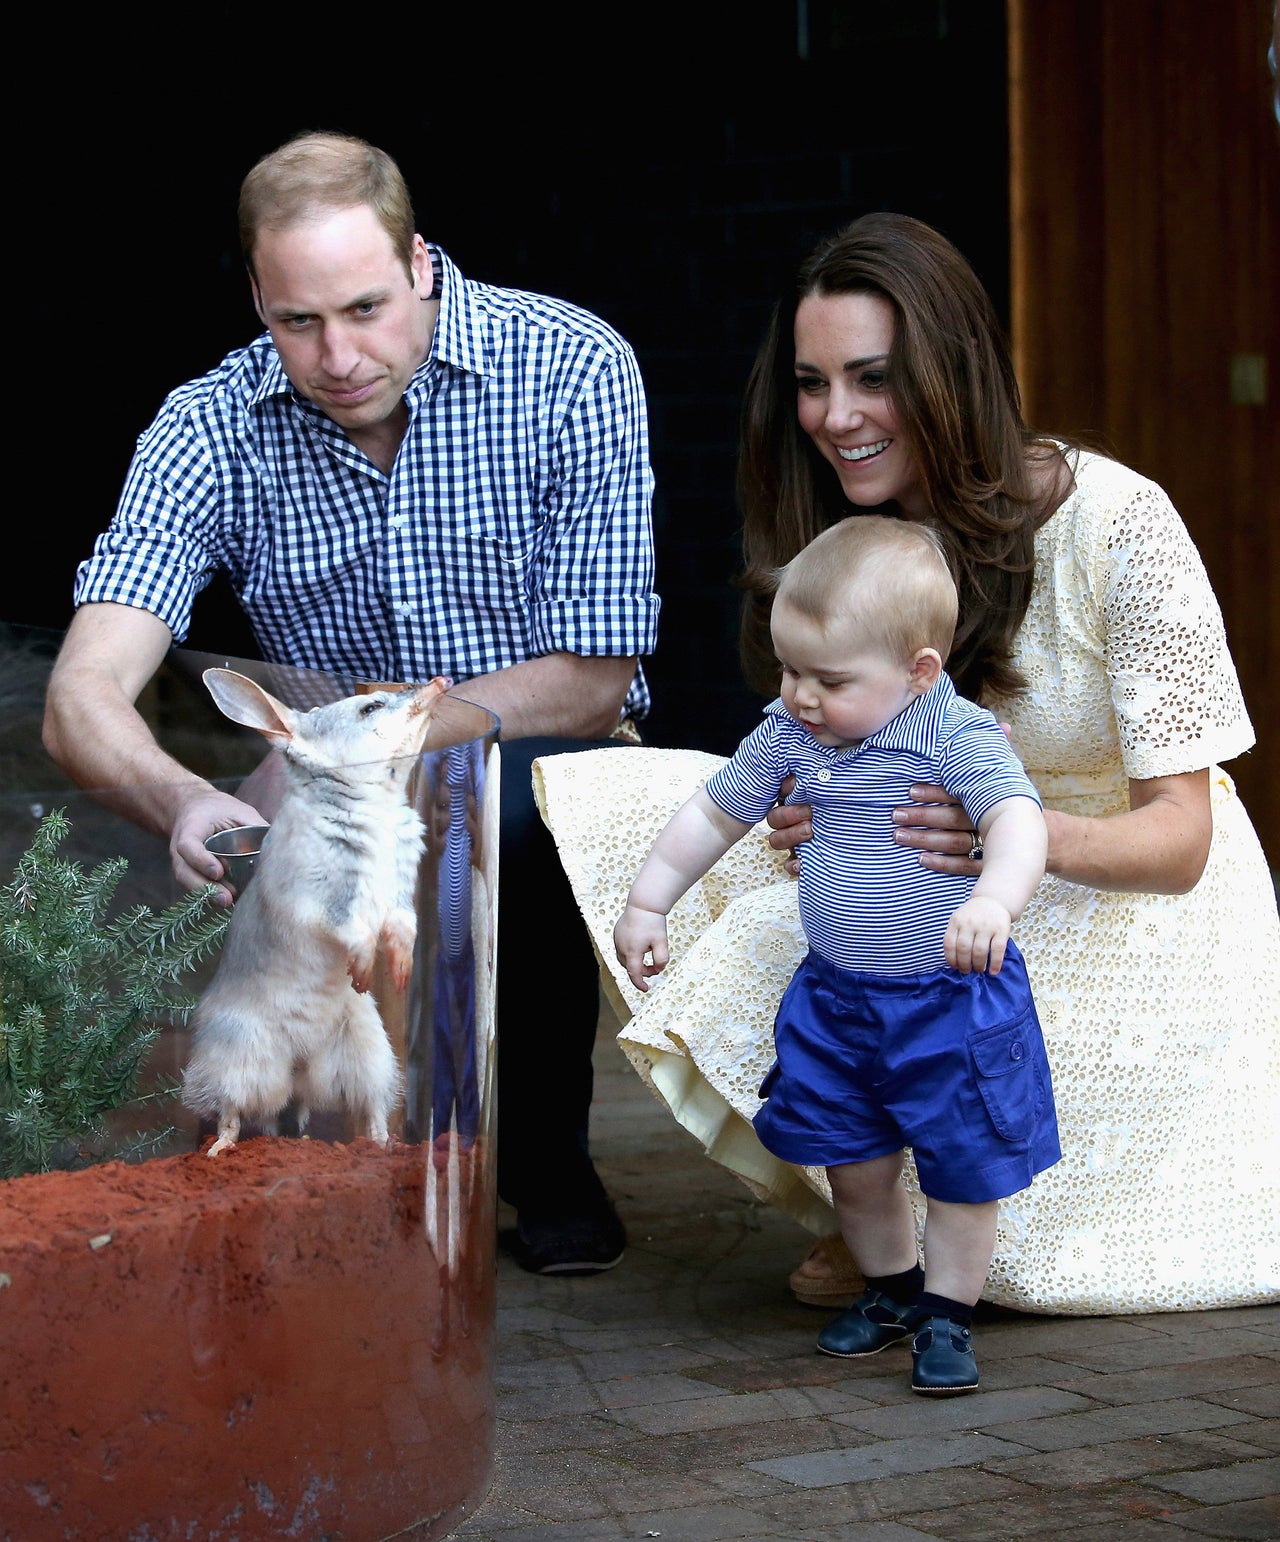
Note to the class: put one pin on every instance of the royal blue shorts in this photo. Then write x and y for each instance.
(952, 1065)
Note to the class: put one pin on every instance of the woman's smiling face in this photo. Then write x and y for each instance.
(842, 344)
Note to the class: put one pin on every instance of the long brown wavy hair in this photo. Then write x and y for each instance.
(951, 378)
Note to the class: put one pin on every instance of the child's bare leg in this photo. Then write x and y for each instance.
(875, 1216)
(958, 1243)
(878, 1226)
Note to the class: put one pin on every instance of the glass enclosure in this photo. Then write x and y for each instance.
(294, 1336)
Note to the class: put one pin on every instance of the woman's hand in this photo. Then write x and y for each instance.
(1158, 846)
(936, 826)
(789, 825)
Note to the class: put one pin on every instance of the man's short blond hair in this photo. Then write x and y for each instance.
(315, 173)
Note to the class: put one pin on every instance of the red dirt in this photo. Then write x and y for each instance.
(255, 1346)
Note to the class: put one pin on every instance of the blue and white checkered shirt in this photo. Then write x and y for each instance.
(865, 902)
(516, 521)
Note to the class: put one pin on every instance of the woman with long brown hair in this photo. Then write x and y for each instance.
(1089, 626)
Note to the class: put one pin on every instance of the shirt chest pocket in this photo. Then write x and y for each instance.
(500, 538)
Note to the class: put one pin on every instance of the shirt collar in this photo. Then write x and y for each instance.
(274, 381)
(459, 337)
(918, 727)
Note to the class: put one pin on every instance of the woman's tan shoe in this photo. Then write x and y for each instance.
(828, 1277)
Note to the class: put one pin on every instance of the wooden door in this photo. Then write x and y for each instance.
(1145, 270)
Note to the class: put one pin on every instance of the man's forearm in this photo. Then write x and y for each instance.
(92, 728)
(561, 694)
(103, 744)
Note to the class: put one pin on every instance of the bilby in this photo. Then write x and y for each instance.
(287, 1015)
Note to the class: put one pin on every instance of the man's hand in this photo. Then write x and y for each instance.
(93, 730)
(977, 936)
(205, 813)
(641, 935)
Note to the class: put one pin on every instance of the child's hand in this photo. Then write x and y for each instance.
(977, 936)
(640, 935)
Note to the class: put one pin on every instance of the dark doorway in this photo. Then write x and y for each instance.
(668, 178)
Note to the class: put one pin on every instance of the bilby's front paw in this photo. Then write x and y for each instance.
(398, 933)
(360, 965)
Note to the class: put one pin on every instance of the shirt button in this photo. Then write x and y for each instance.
(1015, 1051)
(405, 608)
(824, 775)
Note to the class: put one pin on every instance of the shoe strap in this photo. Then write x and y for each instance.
(936, 1327)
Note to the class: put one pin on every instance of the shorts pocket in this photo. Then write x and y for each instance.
(1007, 1062)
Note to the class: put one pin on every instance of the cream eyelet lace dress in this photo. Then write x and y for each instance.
(1161, 1013)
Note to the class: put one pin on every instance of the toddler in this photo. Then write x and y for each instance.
(910, 1020)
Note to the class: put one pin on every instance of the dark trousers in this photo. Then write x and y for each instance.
(547, 1003)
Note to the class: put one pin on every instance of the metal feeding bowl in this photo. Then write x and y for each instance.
(237, 849)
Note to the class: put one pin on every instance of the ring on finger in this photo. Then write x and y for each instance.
(975, 850)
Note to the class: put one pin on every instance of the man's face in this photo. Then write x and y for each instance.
(350, 327)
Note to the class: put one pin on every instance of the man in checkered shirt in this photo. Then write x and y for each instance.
(408, 474)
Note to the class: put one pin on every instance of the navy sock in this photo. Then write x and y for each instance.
(929, 1305)
(902, 1288)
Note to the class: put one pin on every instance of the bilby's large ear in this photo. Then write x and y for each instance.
(244, 701)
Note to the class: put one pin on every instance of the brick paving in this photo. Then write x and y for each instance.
(680, 1396)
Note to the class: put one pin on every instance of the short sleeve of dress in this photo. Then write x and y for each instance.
(1174, 688)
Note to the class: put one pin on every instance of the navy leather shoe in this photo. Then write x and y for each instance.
(871, 1324)
(942, 1359)
(575, 1244)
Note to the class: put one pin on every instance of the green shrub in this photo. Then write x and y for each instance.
(83, 997)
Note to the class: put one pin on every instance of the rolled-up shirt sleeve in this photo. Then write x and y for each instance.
(592, 589)
(162, 546)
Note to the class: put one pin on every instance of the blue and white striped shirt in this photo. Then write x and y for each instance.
(865, 902)
(516, 521)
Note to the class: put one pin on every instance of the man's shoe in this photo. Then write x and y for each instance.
(574, 1244)
(942, 1359)
(871, 1324)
